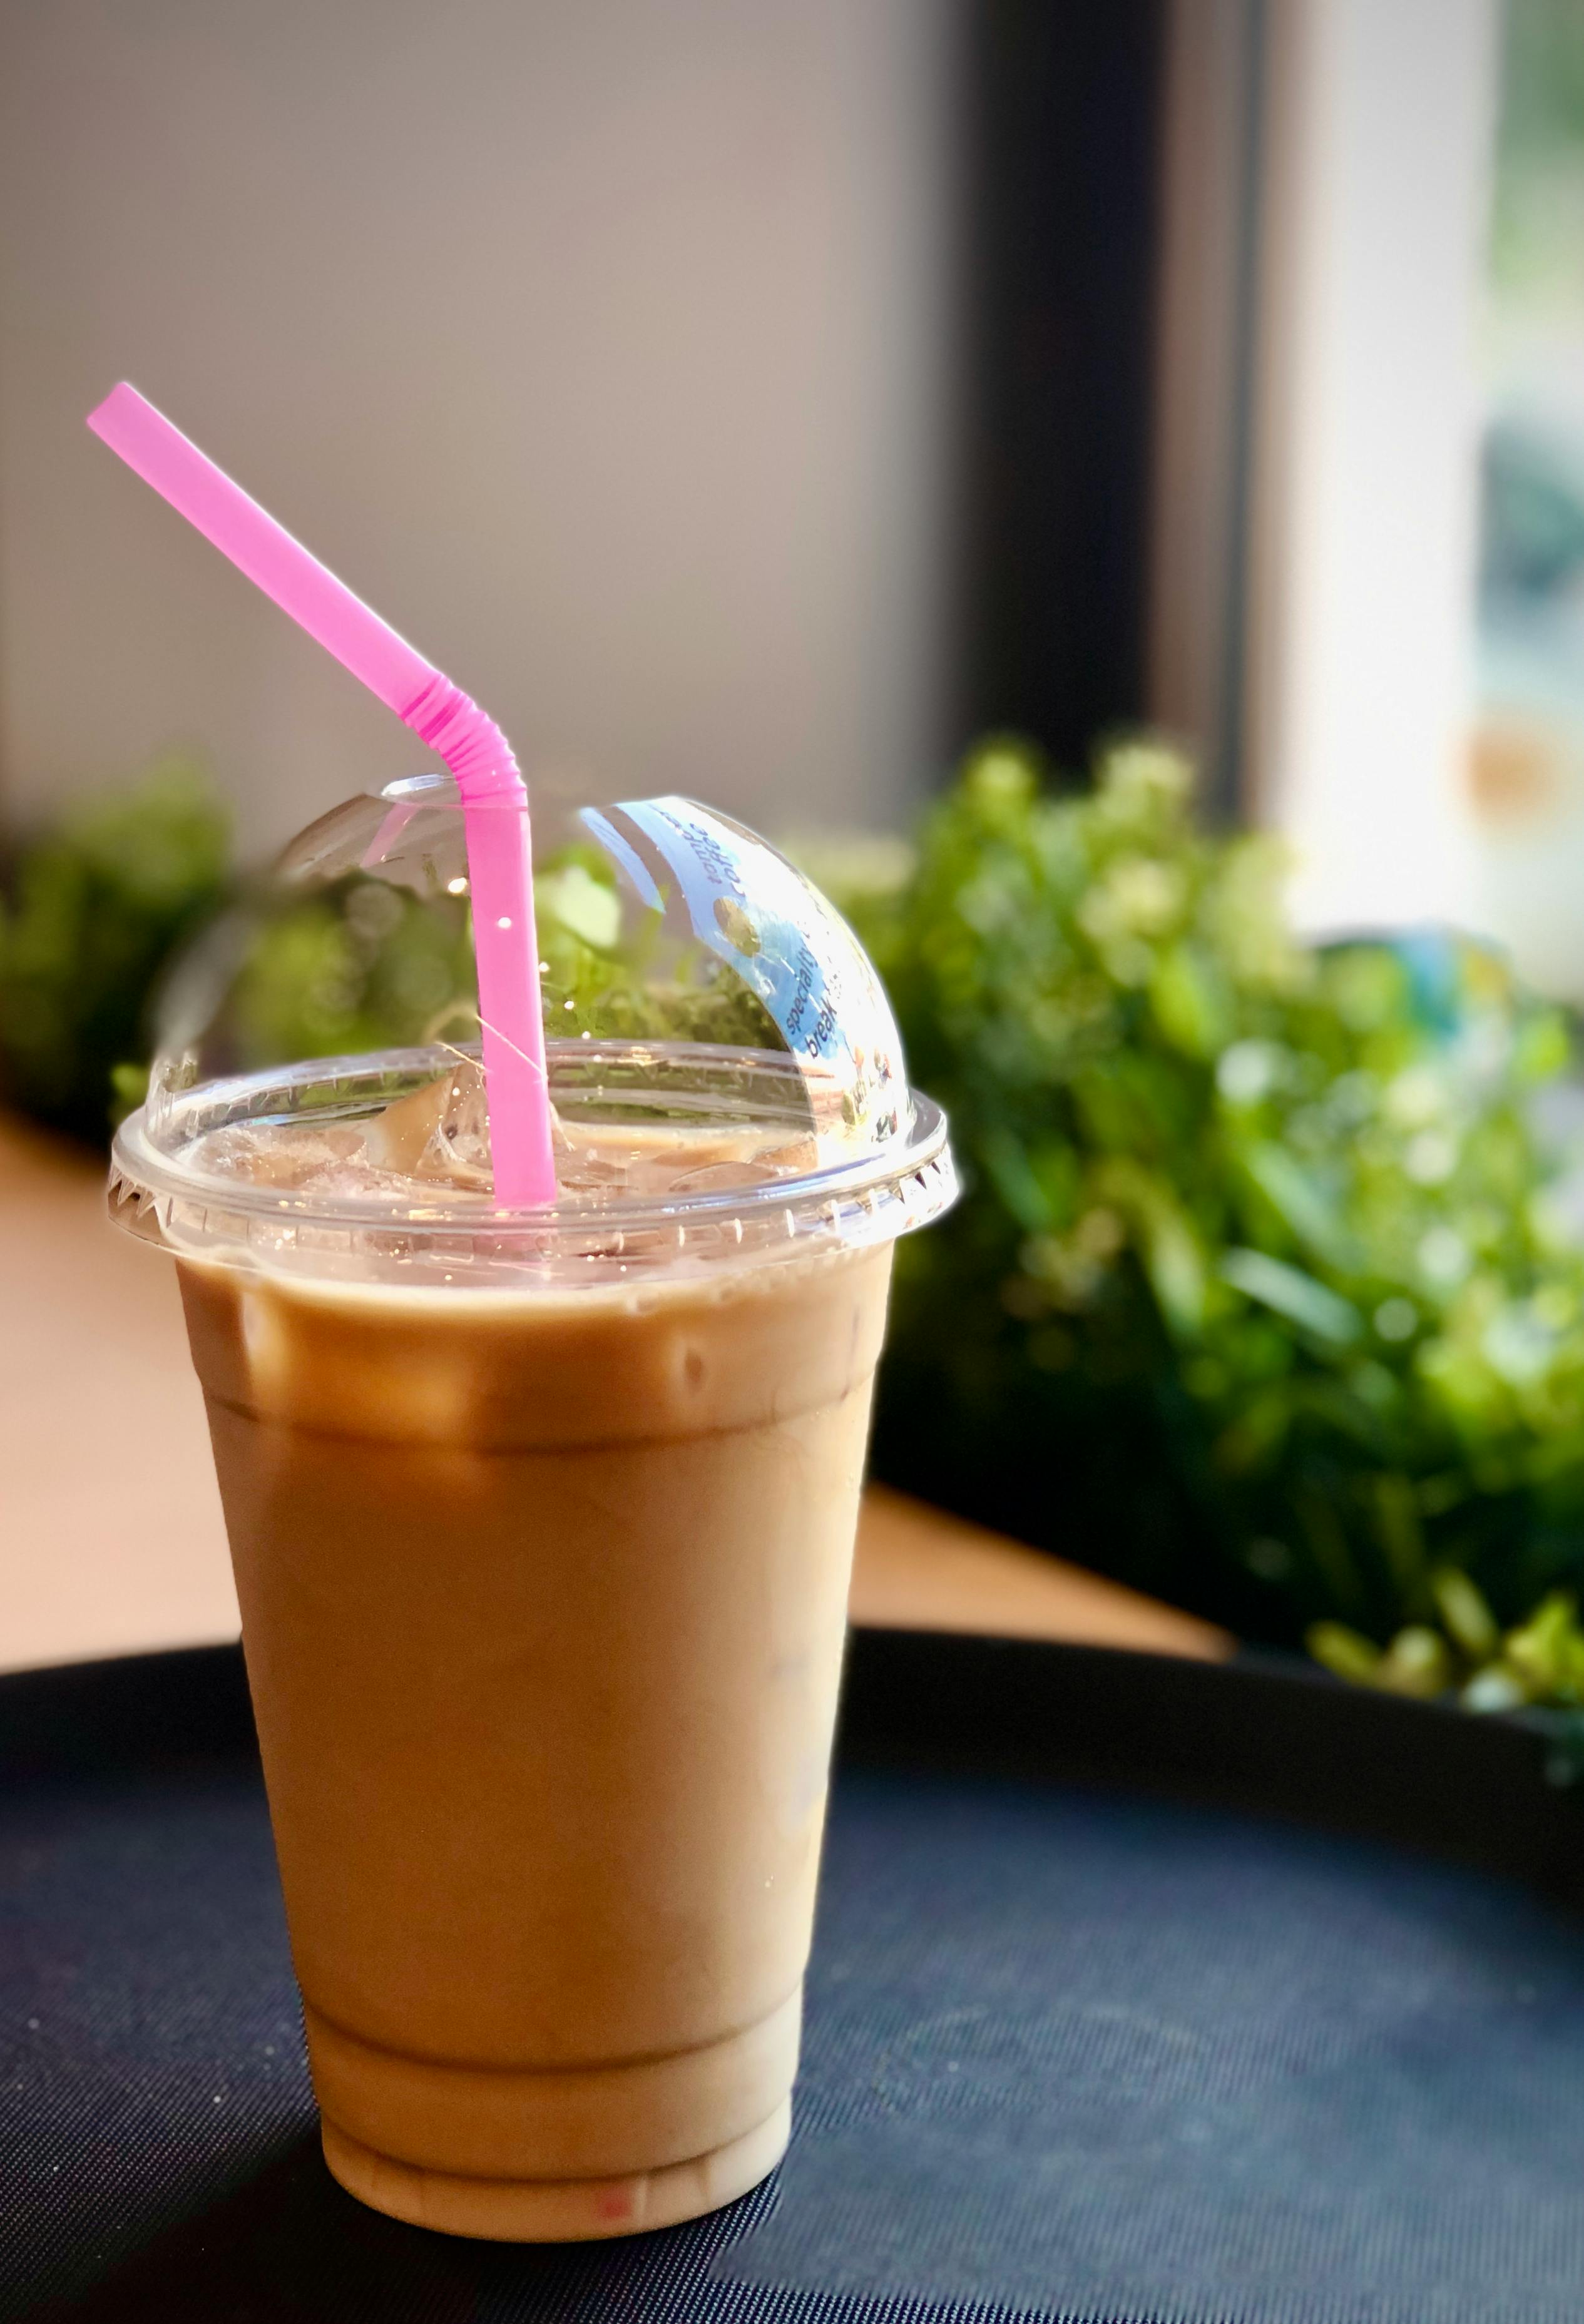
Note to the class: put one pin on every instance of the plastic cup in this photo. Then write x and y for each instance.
(542, 1524)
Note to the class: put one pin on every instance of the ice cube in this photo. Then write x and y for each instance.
(275, 1154)
(439, 1131)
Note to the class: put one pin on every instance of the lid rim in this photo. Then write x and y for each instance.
(141, 1168)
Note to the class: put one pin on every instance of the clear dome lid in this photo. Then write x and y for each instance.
(700, 996)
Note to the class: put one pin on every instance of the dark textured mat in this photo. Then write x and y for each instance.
(1077, 2048)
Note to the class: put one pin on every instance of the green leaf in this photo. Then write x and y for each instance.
(1288, 1291)
(1303, 1204)
(586, 907)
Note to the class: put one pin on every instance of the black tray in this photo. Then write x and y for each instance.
(1143, 1990)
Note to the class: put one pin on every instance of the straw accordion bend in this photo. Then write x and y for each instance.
(466, 738)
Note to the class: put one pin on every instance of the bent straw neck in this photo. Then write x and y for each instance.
(469, 740)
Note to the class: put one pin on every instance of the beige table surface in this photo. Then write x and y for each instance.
(110, 1534)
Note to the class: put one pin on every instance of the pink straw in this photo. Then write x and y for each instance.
(495, 799)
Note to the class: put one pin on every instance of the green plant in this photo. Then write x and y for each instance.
(1262, 1294)
(1535, 1668)
(90, 912)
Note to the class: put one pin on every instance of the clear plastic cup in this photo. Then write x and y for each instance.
(541, 1521)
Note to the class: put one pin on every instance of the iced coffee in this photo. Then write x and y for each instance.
(541, 1527)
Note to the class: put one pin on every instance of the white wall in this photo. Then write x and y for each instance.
(598, 343)
(1362, 598)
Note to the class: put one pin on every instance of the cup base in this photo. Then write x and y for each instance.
(557, 2211)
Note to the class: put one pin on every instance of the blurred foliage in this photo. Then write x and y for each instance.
(1263, 1294)
(1536, 1666)
(1532, 516)
(90, 912)
(361, 964)
(1539, 177)
(353, 966)
(93, 912)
